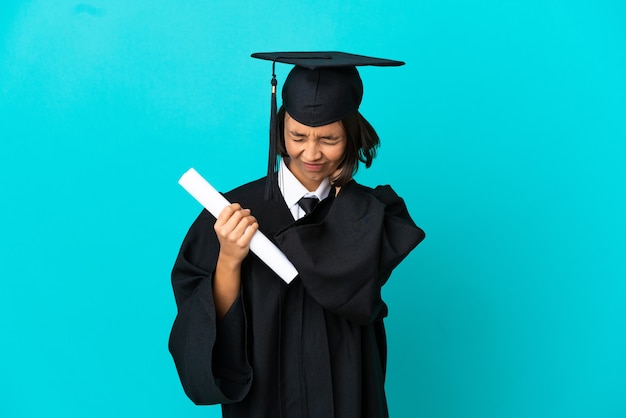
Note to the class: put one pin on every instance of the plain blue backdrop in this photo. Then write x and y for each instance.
(505, 132)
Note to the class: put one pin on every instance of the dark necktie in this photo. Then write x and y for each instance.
(308, 203)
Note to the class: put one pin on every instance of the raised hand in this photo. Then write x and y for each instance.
(234, 227)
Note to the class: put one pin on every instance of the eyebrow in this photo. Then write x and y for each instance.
(328, 137)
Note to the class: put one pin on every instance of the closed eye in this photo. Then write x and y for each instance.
(330, 140)
(297, 136)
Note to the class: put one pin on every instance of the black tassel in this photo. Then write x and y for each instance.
(271, 185)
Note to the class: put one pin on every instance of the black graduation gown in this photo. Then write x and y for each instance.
(313, 348)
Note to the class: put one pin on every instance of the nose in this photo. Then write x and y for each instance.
(312, 151)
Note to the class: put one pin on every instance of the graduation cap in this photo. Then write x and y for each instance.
(322, 88)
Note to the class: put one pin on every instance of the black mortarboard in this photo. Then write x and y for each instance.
(322, 88)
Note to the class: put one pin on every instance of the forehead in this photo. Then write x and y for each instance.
(292, 125)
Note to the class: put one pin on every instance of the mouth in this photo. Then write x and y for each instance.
(313, 167)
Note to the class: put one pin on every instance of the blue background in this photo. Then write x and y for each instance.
(505, 132)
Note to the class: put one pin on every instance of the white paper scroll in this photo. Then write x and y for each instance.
(214, 202)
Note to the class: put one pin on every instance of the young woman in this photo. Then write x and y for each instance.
(315, 347)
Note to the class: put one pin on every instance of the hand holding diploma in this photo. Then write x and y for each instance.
(214, 202)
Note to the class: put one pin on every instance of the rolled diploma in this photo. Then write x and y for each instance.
(214, 202)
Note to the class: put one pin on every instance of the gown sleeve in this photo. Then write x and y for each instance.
(210, 355)
(347, 253)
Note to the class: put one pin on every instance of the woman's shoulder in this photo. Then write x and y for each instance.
(394, 205)
(384, 193)
(253, 190)
(252, 196)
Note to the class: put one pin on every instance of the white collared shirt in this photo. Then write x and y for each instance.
(293, 190)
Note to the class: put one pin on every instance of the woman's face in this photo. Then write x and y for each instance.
(314, 152)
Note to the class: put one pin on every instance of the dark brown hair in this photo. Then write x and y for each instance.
(362, 141)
